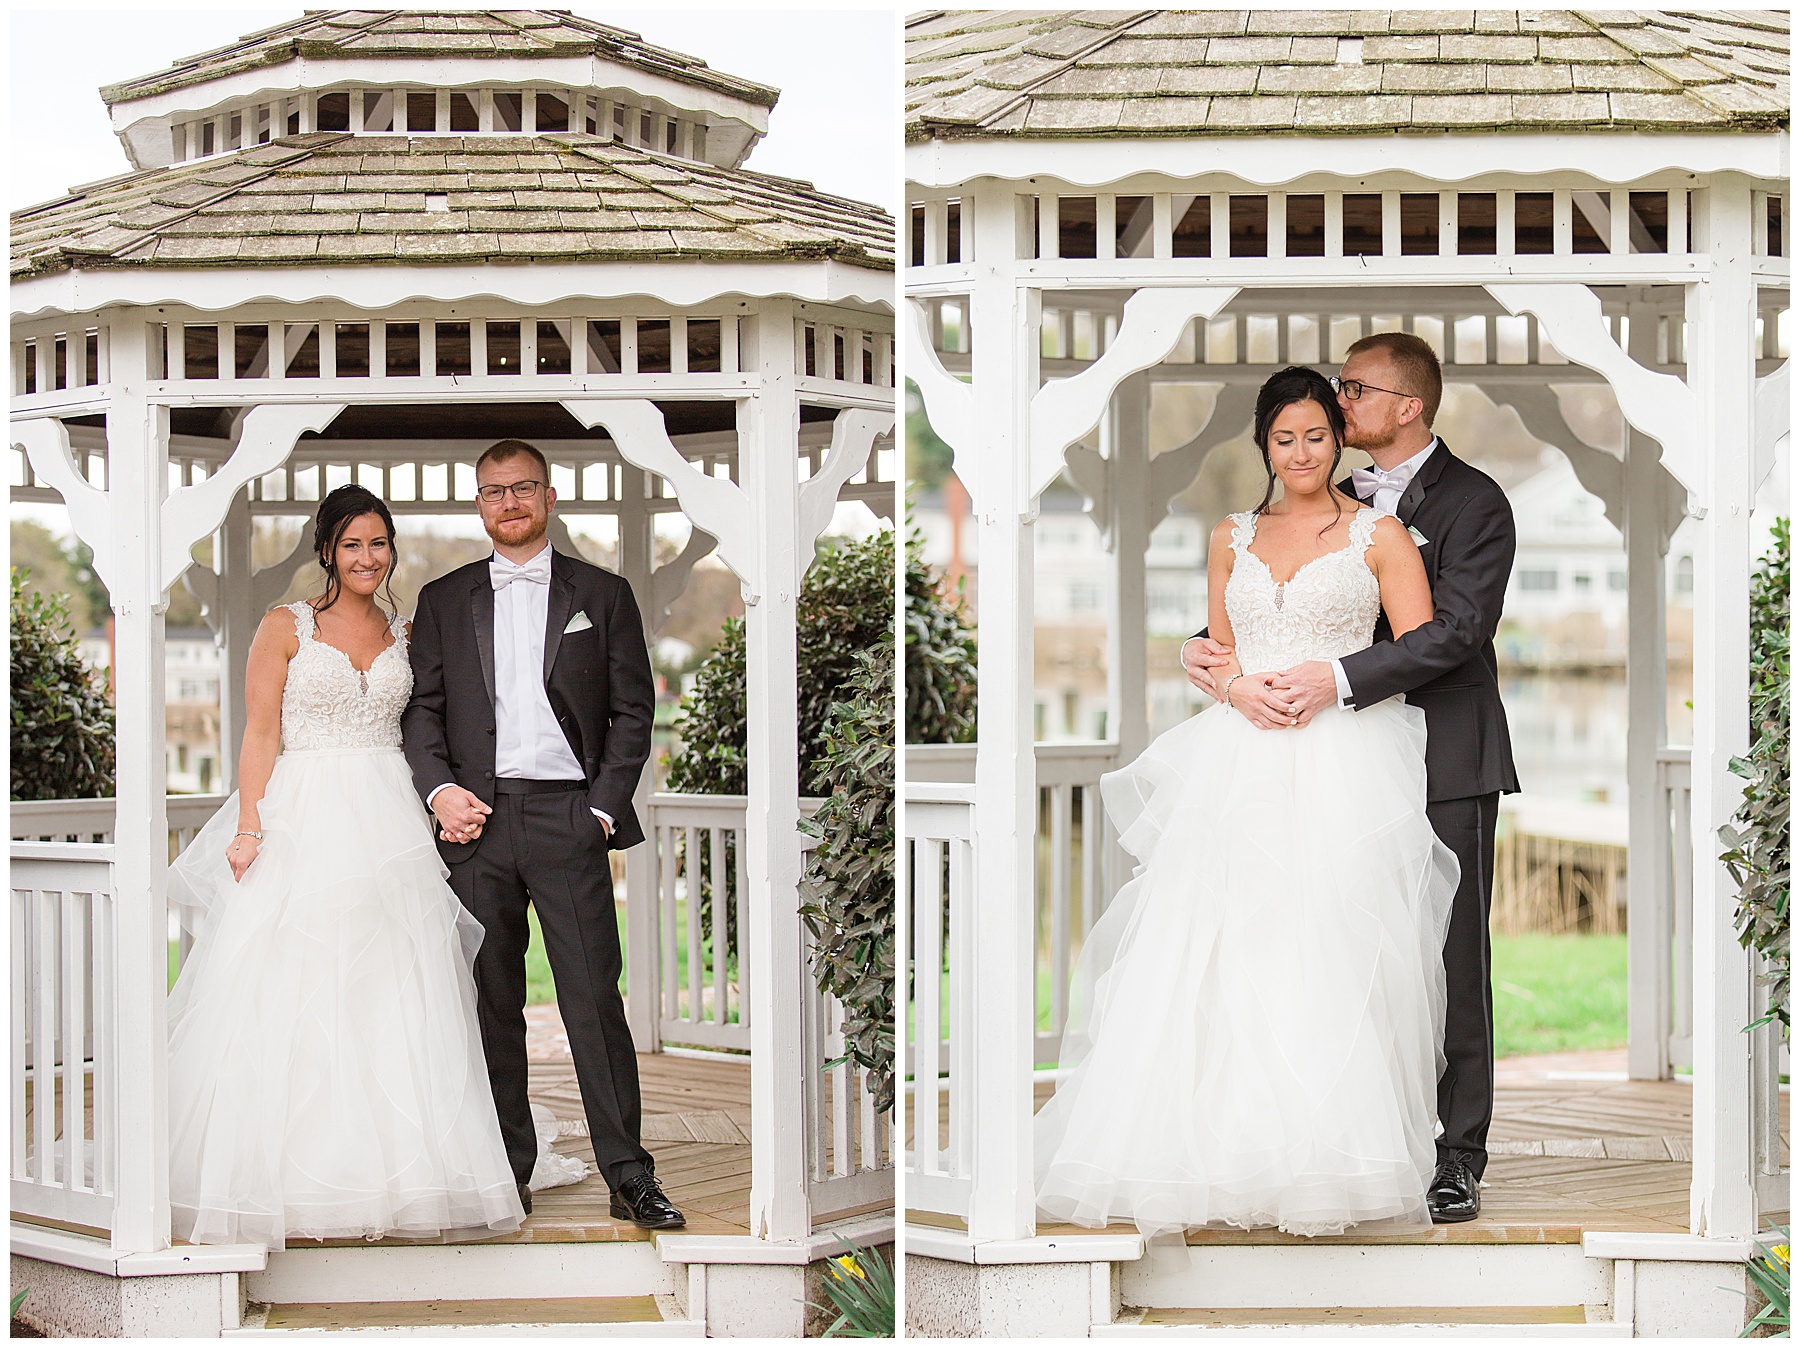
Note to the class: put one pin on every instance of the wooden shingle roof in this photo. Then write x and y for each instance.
(1120, 73)
(324, 35)
(331, 197)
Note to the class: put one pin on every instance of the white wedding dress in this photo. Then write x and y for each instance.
(326, 1075)
(1256, 1021)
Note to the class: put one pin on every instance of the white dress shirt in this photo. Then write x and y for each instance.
(528, 741)
(1387, 501)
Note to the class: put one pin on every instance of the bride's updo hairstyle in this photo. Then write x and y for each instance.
(1296, 384)
(336, 511)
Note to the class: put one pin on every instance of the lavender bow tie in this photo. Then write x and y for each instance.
(1368, 481)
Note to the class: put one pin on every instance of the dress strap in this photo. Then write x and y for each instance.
(397, 626)
(1362, 528)
(305, 620)
(1243, 532)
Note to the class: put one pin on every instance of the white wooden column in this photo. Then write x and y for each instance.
(643, 1005)
(1004, 365)
(1649, 947)
(1721, 311)
(238, 617)
(1125, 440)
(137, 438)
(768, 472)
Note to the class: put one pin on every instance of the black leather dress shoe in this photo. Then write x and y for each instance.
(1454, 1195)
(640, 1199)
(525, 1198)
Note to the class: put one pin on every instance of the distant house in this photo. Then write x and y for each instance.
(191, 694)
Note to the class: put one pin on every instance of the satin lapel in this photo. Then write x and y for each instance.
(481, 600)
(1414, 494)
(561, 609)
(1348, 487)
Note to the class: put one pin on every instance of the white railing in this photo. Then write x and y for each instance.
(696, 875)
(91, 821)
(697, 907)
(64, 1114)
(937, 890)
(1769, 1062)
(1079, 869)
(1674, 780)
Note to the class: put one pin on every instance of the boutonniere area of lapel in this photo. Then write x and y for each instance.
(579, 623)
(1417, 537)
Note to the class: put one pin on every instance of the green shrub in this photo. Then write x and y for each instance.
(940, 658)
(848, 882)
(62, 724)
(1757, 846)
(861, 1287)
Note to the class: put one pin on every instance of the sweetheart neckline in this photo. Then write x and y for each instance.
(1301, 569)
(318, 640)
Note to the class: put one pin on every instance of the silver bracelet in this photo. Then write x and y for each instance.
(246, 833)
(1225, 692)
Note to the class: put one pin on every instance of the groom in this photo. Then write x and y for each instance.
(1389, 390)
(527, 731)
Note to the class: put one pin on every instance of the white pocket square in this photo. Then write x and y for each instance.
(1417, 537)
(579, 623)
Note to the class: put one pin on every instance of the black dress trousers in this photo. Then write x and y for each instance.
(1466, 1089)
(547, 849)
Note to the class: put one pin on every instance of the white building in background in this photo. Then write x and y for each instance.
(191, 694)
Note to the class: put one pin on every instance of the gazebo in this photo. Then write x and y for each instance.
(1105, 200)
(361, 246)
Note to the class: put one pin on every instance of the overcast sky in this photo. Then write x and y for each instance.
(836, 125)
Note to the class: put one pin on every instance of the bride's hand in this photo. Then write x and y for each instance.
(243, 850)
(1260, 704)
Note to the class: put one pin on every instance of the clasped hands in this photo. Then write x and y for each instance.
(461, 815)
(1277, 700)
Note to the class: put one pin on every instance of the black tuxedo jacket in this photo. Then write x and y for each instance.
(598, 681)
(1447, 668)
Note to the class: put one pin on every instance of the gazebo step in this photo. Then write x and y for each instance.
(583, 1317)
(1367, 1276)
(343, 1274)
(1428, 1321)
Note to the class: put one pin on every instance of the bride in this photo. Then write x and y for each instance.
(1256, 1022)
(326, 1071)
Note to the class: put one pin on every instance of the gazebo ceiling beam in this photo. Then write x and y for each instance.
(1272, 161)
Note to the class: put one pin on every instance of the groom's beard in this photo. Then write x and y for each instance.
(507, 531)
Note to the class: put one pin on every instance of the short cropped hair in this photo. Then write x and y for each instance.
(502, 450)
(1414, 361)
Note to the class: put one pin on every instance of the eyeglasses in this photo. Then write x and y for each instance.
(494, 493)
(1354, 388)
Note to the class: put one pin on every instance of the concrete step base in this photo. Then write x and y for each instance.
(332, 1275)
(1383, 1321)
(496, 1317)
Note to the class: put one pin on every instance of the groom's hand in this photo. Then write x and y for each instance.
(460, 814)
(1307, 688)
(1200, 656)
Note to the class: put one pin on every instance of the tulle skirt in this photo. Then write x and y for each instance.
(1256, 1021)
(326, 1075)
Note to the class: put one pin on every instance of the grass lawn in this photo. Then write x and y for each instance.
(1554, 994)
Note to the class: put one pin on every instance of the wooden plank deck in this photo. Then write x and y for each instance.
(696, 1124)
(1570, 1150)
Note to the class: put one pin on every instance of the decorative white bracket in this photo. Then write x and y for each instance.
(1660, 405)
(1065, 410)
(45, 442)
(270, 583)
(266, 437)
(716, 505)
(669, 580)
(1771, 424)
(949, 401)
(853, 437)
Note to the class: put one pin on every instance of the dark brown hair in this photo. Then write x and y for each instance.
(1284, 388)
(1414, 361)
(350, 502)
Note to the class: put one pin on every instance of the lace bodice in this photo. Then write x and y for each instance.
(1328, 608)
(329, 704)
